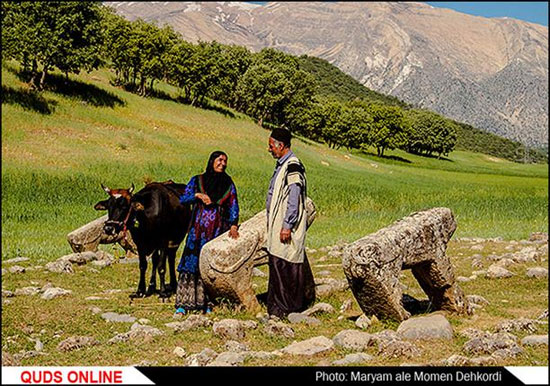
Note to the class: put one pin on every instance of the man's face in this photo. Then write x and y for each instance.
(276, 151)
(220, 164)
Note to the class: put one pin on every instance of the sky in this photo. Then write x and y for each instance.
(532, 11)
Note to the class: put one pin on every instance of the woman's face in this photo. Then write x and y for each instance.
(220, 164)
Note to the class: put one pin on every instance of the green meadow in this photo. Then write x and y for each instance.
(59, 146)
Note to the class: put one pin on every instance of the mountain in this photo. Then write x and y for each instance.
(491, 73)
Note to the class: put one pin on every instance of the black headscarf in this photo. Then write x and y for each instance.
(215, 184)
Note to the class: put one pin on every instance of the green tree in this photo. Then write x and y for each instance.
(389, 129)
(62, 34)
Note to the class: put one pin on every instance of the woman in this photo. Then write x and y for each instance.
(216, 210)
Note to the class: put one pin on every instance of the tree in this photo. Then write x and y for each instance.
(62, 34)
(388, 128)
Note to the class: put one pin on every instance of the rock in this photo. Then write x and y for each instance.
(102, 263)
(363, 322)
(346, 305)
(353, 359)
(226, 264)
(234, 346)
(263, 355)
(257, 273)
(459, 360)
(317, 308)
(489, 343)
(323, 273)
(477, 299)
(76, 343)
(327, 286)
(539, 236)
(15, 260)
(38, 346)
(55, 292)
(60, 266)
(535, 340)
(296, 318)
(228, 358)
(527, 255)
(90, 298)
(16, 269)
(279, 328)
(137, 332)
(426, 327)
(119, 318)
(9, 360)
(201, 359)
(537, 272)
(353, 340)
(310, 346)
(229, 328)
(8, 294)
(544, 315)
(180, 352)
(497, 272)
(373, 264)
(521, 324)
(79, 258)
(95, 310)
(398, 349)
(27, 291)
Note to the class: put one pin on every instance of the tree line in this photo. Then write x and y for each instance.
(272, 87)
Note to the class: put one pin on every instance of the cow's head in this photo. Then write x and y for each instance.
(118, 208)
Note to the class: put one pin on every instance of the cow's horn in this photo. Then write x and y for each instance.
(106, 189)
(131, 188)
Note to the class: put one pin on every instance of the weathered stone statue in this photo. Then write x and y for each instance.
(418, 242)
(226, 264)
(89, 236)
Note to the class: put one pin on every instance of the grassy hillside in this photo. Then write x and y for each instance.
(58, 147)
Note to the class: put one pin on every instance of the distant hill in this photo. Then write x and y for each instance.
(491, 73)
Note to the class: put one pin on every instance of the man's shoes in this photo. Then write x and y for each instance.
(180, 311)
(208, 310)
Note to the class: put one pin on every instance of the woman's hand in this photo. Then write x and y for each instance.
(234, 232)
(204, 198)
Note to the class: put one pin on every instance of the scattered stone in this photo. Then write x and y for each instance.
(353, 359)
(527, 255)
(27, 291)
(544, 315)
(228, 358)
(537, 272)
(310, 346)
(497, 272)
(324, 273)
(201, 359)
(15, 260)
(317, 308)
(16, 269)
(102, 263)
(55, 292)
(327, 286)
(180, 352)
(363, 322)
(144, 321)
(39, 346)
(137, 332)
(263, 355)
(9, 360)
(258, 273)
(459, 360)
(521, 324)
(60, 266)
(489, 343)
(426, 327)
(353, 340)
(539, 236)
(120, 318)
(505, 262)
(94, 298)
(229, 328)
(477, 300)
(346, 305)
(398, 349)
(8, 294)
(507, 353)
(296, 318)
(76, 342)
(95, 310)
(535, 340)
(279, 328)
(79, 258)
(234, 346)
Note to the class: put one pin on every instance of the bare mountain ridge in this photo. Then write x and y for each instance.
(490, 73)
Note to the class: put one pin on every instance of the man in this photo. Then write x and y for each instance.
(291, 287)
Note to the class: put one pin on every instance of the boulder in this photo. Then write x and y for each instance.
(119, 318)
(310, 346)
(351, 359)
(418, 242)
(426, 327)
(76, 342)
(229, 329)
(537, 272)
(535, 340)
(497, 272)
(227, 264)
(55, 292)
(353, 340)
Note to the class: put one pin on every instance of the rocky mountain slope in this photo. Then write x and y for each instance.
(490, 73)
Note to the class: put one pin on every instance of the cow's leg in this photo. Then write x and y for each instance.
(171, 256)
(153, 282)
(162, 273)
(142, 269)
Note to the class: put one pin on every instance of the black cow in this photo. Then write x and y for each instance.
(157, 222)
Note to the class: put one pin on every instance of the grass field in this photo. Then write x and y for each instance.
(58, 147)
